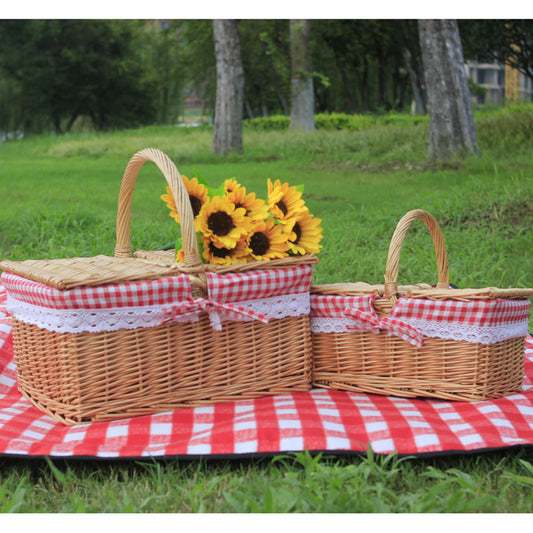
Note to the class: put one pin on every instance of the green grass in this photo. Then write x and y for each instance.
(58, 198)
(486, 483)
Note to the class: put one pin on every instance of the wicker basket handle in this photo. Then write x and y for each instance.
(393, 259)
(179, 192)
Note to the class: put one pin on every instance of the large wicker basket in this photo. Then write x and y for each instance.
(180, 348)
(409, 341)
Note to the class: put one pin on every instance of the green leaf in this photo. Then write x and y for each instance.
(60, 477)
(521, 480)
(219, 191)
(201, 179)
(170, 245)
(201, 248)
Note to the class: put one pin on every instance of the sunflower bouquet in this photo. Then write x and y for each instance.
(234, 226)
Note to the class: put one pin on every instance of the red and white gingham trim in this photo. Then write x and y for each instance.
(143, 293)
(258, 284)
(5, 319)
(233, 287)
(330, 306)
(483, 313)
(484, 321)
(260, 295)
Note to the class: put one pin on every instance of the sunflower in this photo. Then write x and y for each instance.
(283, 201)
(230, 185)
(305, 234)
(224, 256)
(180, 256)
(222, 222)
(256, 208)
(268, 241)
(198, 196)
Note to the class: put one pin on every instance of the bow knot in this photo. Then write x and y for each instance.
(369, 321)
(216, 311)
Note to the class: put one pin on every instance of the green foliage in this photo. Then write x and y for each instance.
(164, 70)
(272, 123)
(515, 124)
(107, 74)
(266, 62)
(338, 121)
(342, 121)
(509, 41)
(65, 69)
(363, 61)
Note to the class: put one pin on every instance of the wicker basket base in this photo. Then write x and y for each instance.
(90, 377)
(446, 369)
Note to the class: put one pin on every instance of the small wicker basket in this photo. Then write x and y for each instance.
(84, 373)
(409, 341)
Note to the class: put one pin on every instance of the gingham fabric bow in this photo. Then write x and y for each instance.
(214, 309)
(368, 320)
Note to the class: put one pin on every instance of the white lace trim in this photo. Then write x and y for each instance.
(275, 306)
(434, 329)
(474, 334)
(330, 325)
(95, 320)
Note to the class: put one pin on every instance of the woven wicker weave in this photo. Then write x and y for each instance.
(88, 377)
(440, 368)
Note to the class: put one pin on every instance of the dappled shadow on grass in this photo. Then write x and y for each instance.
(377, 167)
(514, 212)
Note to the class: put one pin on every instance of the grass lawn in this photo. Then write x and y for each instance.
(58, 198)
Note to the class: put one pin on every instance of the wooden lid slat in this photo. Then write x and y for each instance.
(67, 273)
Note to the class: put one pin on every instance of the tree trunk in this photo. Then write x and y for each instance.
(227, 133)
(302, 105)
(452, 130)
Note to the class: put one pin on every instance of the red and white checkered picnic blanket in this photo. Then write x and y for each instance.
(319, 420)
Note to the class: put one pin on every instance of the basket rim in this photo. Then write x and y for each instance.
(421, 291)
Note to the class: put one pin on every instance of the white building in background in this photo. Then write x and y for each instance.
(497, 78)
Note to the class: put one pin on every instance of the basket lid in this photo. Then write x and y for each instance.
(67, 273)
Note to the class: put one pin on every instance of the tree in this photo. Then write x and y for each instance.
(365, 64)
(227, 134)
(70, 68)
(198, 48)
(452, 130)
(266, 63)
(302, 100)
(163, 55)
(508, 41)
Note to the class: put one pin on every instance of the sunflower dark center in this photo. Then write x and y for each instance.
(196, 204)
(282, 207)
(219, 252)
(220, 223)
(240, 205)
(259, 243)
(298, 232)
